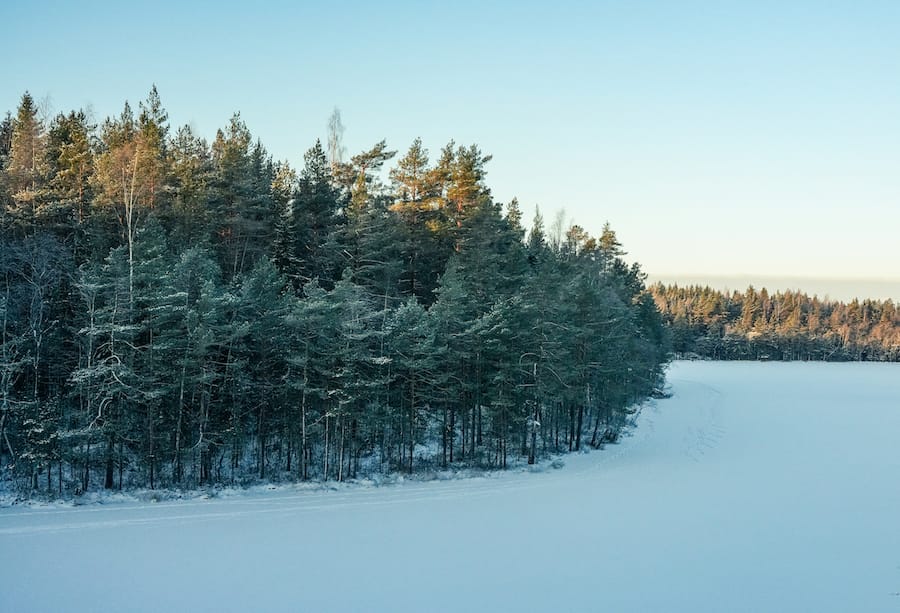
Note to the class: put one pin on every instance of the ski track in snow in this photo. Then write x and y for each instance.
(280, 503)
(705, 435)
(80, 518)
(266, 505)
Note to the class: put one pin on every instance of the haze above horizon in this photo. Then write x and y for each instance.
(841, 290)
(732, 140)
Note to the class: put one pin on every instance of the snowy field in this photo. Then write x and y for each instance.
(756, 487)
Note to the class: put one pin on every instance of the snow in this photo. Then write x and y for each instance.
(756, 487)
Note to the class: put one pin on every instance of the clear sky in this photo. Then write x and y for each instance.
(718, 138)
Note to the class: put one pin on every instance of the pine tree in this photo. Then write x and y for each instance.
(26, 168)
(105, 379)
(358, 371)
(71, 161)
(318, 321)
(358, 178)
(152, 149)
(261, 312)
(132, 168)
(487, 270)
(415, 356)
(241, 200)
(378, 262)
(419, 203)
(311, 322)
(188, 216)
(466, 186)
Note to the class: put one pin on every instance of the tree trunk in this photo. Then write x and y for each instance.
(288, 436)
(121, 462)
(444, 439)
(596, 427)
(556, 426)
(353, 455)
(152, 452)
(578, 425)
(304, 473)
(110, 464)
(474, 431)
(86, 477)
(464, 430)
(480, 420)
(531, 449)
(340, 461)
(261, 440)
(412, 421)
(325, 455)
(177, 472)
(452, 432)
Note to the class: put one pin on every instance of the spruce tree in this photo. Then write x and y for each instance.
(314, 224)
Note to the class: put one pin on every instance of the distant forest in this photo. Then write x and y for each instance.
(180, 313)
(754, 325)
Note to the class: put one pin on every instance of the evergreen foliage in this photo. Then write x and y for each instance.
(753, 325)
(181, 314)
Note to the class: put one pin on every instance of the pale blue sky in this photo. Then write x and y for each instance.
(718, 138)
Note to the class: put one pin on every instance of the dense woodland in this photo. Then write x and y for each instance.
(782, 326)
(178, 313)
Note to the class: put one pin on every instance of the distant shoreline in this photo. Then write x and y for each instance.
(843, 290)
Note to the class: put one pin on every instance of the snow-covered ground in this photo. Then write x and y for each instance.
(756, 487)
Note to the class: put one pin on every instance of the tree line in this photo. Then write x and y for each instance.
(786, 325)
(179, 313)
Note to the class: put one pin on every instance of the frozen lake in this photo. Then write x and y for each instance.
(756, 487)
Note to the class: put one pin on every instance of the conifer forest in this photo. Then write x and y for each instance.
(788, 325)
(178, 313)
